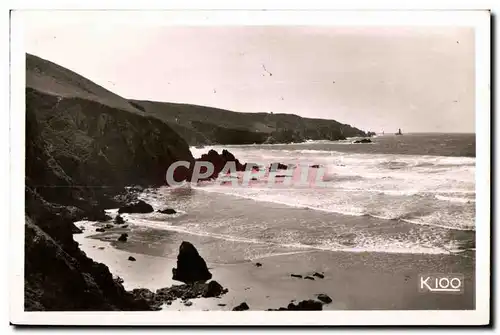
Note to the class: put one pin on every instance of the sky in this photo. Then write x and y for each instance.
(417, 78)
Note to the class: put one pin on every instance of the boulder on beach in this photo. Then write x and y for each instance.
(316, 166)
(241, 307)
(139, 206)
(213, 289)
(324, 298)
(191, 267)
(123, 237)
(296, 276)
(309, 277)
(306, 305)
(130, 258)
(167, 211)
(258, 264)
(100, 230)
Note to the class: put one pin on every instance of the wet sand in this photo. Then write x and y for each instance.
(354, 280)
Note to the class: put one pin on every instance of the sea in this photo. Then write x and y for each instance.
(413, 193)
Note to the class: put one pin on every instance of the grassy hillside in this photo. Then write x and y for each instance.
(206, 125)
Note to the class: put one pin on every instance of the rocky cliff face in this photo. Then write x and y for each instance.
(83, 146)
(206, 125)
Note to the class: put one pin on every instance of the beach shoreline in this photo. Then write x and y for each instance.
(354, 280)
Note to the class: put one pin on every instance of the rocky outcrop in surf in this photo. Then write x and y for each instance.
(139, 206)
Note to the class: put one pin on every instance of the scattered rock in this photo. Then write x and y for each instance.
(296, 276)
(213, 289)
(309, 277)
(100, 230)
(241, 307)
(119, 219)
(258, 264)
(188, 303)
(101, 248)
(123, 237)
(108, 226)
(136, 207)
(130, 258)
(125, 226)
(222, 305)
(324, 298)
(319, 275)
(306, 305)
(315, 166)
(167, 211)
(191, 267)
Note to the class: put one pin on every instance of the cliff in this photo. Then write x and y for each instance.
(83, 145)
(206, 125)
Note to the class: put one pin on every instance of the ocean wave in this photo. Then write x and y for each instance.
(353, 211)
(382, 247)
(455, 199)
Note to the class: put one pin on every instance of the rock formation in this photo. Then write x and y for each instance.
(191, 267)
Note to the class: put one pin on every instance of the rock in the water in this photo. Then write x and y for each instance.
(296, 276)
(213, 289)
(123, 237)
(108, 226)
(315, 166)
(364, 140)
(167, 211)
(119, 219)
(100, 230)
(309, 277)
(258, 264)
(277, 166)
(97, 214)
(241, 307)
(136, 207)
(130, 258)
(324, 298)
(319, 275)
(191, 267)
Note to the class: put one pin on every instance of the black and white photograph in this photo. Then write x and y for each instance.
(226, 164)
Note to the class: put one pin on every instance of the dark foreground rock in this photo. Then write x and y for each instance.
(213, 289)
(241, 307)
(191, 267)
(324, 298)
(304, 305)
(167, 211)
(139, 206)
(219, 161)
(183, 292)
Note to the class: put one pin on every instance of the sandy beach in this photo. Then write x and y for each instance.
(354, 280)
